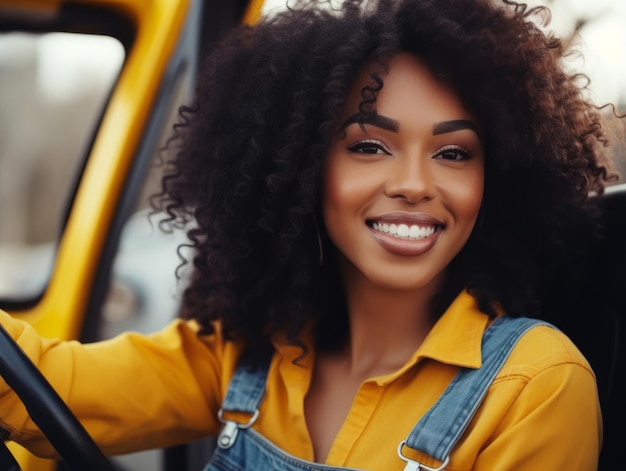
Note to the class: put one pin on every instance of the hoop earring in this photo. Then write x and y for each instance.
(319, 242)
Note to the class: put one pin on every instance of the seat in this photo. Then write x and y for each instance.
(595, 319)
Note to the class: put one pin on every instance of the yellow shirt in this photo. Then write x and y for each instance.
(136, 392)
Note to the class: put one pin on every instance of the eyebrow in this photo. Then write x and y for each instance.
(392, 125)
(454, 125)
(377, 120)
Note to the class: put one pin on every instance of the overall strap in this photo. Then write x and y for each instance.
(442, 426)
(244, 395)
(246, 388)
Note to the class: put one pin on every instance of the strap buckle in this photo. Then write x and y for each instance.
(412, 465)
(230, 430)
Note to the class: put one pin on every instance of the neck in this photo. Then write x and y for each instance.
(386, 325)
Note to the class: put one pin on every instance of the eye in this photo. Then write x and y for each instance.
(453, 153)
(369, 146)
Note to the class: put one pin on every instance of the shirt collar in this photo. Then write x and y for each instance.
(457, 336)
(455, 339)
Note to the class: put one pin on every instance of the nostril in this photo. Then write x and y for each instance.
(413, 185)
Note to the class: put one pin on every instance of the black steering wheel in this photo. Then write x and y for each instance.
(62, 429)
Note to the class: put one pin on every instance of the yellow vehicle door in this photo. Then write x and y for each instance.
(88, 92)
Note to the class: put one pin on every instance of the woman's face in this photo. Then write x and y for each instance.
(402, 191)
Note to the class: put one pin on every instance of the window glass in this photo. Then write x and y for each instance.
(144, 290)
(598, 30)
(52, 89)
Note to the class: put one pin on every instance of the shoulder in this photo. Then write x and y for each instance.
(543, 348)
(545, 394)
(547, 375)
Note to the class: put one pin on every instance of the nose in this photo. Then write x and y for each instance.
(411, 179)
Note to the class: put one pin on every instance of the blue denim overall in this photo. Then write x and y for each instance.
(241, 448)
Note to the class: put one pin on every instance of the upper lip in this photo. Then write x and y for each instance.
(398, 217)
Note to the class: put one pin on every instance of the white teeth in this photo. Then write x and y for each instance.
(404, 231)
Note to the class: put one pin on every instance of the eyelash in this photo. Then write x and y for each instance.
(373, 144)
(460, 152)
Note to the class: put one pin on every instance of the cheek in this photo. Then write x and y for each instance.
(346, 192)
(473, 197)
(343, 187)
(338, 202)
(341, 194)
(467, 196)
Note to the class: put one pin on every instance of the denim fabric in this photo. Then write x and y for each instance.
(253, 451)
(240, 448)
(246, 388)
(441, 427)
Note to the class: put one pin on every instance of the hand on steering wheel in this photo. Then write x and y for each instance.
(62, 429)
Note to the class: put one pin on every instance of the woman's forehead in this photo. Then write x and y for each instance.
(410, 91)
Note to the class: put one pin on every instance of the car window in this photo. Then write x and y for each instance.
(598, 30)
(53, 87)
(144, 289)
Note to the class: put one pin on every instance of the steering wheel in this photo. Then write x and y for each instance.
(62, 429)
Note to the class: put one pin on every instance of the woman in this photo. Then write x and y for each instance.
(370, 189)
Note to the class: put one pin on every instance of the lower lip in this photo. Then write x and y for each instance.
(405, 247)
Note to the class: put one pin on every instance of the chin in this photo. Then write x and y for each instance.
(404, 283)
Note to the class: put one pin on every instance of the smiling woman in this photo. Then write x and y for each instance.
(380, 195)
(407, 171)
(403, 186)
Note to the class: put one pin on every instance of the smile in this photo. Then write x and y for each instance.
(405, 231)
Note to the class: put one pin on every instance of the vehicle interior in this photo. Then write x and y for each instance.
(595, 319)
(76, 269)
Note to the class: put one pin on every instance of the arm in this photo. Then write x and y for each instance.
(132, 392)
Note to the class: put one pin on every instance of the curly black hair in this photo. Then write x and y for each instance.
(250, 150)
